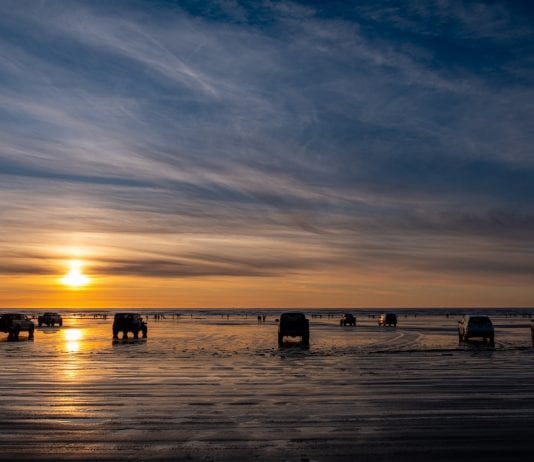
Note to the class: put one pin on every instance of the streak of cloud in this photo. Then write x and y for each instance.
(331, 136)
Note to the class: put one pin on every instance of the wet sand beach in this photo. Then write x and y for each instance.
(209, 387)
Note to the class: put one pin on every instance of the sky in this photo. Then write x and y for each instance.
(267, 154)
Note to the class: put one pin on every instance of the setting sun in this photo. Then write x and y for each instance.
(75, 278)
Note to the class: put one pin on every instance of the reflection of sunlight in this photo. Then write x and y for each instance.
(72, 371)
(72, 336)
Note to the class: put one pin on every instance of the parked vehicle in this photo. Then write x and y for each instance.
(347, 320)
(50, 319)
(15, 323)
(129, 322)
(476, 327)
(387, 319)
(294, 324)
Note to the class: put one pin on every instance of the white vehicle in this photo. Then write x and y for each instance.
(476, 327)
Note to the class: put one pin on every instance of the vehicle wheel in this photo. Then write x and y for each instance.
(306, 340)
(136, 334)
(145, 331)
(280, 340)
(16, 333)
(492, 341)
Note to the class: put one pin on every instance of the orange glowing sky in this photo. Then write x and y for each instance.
(87, 280)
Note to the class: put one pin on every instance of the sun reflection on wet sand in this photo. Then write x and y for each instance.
(206, 383)
(73, 337)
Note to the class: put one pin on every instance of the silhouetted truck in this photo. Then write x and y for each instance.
(129, 322)
(49, 319)
(348, 319)
(294, 324)
(476, 326)
(15, 323)
(387, 319)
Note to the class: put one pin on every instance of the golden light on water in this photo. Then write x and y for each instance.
(73, 337)
(75, 277)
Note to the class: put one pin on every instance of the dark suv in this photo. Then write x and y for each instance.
(387, 319)
(294, 324)
(348, 320)
(129, 322)
(50, 319)
(476, 326)
(14, 323)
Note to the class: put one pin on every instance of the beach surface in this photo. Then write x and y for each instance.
(216, 387)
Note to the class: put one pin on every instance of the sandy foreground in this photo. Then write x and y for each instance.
(212, 388)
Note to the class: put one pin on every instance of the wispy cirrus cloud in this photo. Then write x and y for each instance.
(331, 136)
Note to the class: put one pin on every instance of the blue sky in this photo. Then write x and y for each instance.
(390, 143)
